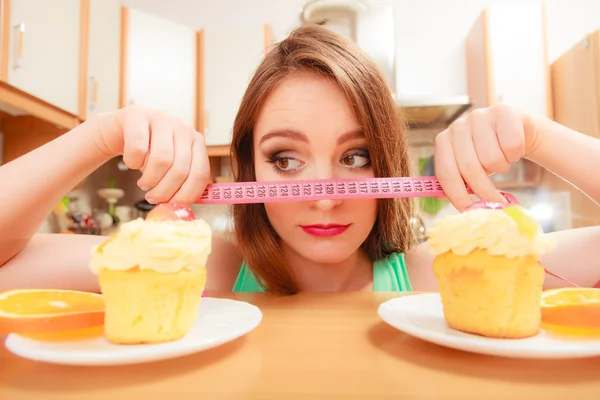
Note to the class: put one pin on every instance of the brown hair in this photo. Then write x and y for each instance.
(311, 48)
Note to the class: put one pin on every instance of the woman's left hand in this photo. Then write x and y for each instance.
(484, 142)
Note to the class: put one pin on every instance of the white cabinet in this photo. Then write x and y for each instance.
(161, 65)
(231, 56)
(103, 56)
(507, 60)
(44, 50)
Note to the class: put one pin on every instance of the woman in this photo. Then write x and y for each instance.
(316, 108)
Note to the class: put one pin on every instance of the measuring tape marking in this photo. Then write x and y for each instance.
(310, 190)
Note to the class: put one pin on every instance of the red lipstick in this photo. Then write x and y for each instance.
(325, 230)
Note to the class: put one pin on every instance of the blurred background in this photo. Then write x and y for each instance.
(62, 61)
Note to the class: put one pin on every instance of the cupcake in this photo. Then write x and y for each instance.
(152, 275)
(487, 267)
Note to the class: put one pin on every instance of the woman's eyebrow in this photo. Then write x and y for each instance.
(354, 134)
(285, 133)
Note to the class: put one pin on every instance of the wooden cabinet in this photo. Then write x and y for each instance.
(160, 65)
(42, 50)
(231, 57)
(507, 61)
(104, 47)
(576, 86)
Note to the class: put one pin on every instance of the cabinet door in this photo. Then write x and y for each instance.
(161, 65)
(103, 56)
(506, 59)
(44, 50)
(576, 86)
(231, 57)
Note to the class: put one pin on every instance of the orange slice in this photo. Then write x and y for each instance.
(571, 311)
(34, 311)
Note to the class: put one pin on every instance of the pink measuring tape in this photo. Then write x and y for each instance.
(320, 189)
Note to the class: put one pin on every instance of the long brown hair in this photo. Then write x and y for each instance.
(311, 48)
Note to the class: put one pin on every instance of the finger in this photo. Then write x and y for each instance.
(199, 175)
(160, 157)
(469, 165)
(487, 147)
(136, 138)
(180, 169)
(448, 174)
(510, 132)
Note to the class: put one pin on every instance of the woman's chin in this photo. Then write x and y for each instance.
(326, 254)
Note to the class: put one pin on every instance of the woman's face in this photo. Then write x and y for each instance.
(307, 130)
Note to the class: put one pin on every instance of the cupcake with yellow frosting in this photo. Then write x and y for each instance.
(152, 275)
(488, 271)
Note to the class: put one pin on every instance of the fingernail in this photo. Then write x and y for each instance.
(144, 188)
(151, 200)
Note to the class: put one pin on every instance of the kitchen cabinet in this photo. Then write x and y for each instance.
(506, 57)
(104, 64)
(160, 65)
(231, 57)
(576, 86)
(43, 47)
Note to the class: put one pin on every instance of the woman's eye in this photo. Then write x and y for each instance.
(356, 160)
(287, 164)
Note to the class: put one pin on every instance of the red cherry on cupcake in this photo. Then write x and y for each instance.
(494, 205)
(489, 205)
(171, 212)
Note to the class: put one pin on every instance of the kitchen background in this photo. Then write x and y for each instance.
(62, 61)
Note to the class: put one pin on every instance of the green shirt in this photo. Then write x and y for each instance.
(389, 275)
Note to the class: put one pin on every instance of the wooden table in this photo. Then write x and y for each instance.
(317, 346)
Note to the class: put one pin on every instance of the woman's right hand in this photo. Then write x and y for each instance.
(171, 155)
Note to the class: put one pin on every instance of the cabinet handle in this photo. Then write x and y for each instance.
(20, 47)
(94, 93)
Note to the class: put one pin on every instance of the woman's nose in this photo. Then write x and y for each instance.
(325, 205)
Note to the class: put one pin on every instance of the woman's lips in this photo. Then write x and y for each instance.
(325, 230)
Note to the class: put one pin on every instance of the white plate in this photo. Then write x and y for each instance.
(219, 321)
(421, 316)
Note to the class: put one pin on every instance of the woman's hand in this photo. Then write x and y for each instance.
(485, 142)
(171, 155)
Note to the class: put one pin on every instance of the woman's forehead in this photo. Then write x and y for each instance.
(310, 104)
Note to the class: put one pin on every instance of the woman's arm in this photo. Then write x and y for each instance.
(487, 141)
(33, 184)
(52, 261)
(571, 155)
(62, 262)
(575, 256)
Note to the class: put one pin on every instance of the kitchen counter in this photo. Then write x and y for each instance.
(317, 346)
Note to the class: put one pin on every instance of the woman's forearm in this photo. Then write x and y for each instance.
(33, 184)
(573, 156)
(52, 261)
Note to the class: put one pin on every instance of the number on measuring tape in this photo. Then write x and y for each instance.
(352, 188)
(329, 189)
(318, 189)
(418, 186)
(262, 191)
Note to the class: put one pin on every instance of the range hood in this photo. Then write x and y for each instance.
(372, 28)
